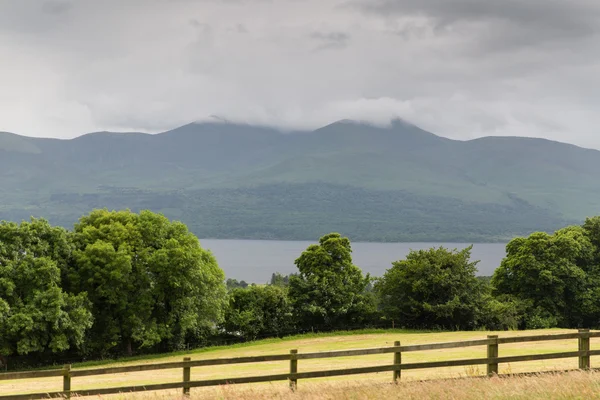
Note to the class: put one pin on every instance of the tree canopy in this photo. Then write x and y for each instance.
(123, 282)
(329, 290)
(148, 279)
(36, 315)
(257, 311)
(549, 272)
(434, 288)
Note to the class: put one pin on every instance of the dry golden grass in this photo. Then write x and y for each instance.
(377, 382)
(573, 385)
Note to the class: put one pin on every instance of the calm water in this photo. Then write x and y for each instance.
(255, 260)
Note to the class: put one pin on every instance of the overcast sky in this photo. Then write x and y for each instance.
(459, 68)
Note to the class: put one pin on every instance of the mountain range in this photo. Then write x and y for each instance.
(225, 180)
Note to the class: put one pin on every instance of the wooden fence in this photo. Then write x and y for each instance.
(396, 366)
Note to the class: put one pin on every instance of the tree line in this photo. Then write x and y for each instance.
(121, 283)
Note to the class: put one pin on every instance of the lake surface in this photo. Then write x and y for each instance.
(255, 260)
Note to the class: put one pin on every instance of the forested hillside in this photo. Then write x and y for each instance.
(237, 181)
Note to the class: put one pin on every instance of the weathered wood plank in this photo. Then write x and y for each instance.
(30, 374)
(34, 396)
(216, 382)
(177, 385)
(348, 371)
(492, 352)
(296, 376)
(537, 338)
(293, 368)
(245, 379)
(348, 353)
(129, 389)
(179, 364)
(445, 345)
(496, 360)
(131, 368)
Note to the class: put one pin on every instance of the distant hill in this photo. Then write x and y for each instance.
(399, 183)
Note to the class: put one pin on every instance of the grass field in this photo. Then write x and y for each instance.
(310, 389)
(575, 385)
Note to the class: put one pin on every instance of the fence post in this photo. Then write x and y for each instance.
(67, 381)
(293, 368)
(187, 375)
(584, 345)
(492, 352)
(397, 362)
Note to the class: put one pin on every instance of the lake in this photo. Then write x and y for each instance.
(255, 260)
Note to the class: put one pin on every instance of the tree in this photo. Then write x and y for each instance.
(277, 279)
(549, 271)
(36, 315)
(591, 229)
(258, 311)
(435, 288)
(233, 284)
(149, 280)
(329, 291)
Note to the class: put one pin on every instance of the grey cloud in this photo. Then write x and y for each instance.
(56, 7)
(241, 28)
(563, 15)
(496, 26)
(202, 27)
(331, 40)
(460, 68)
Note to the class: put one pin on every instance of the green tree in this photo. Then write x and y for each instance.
(36, 315)
(588, 298)
(148, 279)
(277, 279)
(258, 311)
(549, 271)
(435, 288)
(591, 228)
(330, 291)
(233, 284)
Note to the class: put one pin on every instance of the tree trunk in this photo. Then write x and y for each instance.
(129, 348)
(3, 363)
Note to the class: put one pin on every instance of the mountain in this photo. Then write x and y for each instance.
(396, 183)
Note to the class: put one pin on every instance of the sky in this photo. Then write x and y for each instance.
(459, 68)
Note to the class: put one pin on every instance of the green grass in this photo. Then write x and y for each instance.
(220, 348)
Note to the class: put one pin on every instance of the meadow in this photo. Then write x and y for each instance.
(359, 387)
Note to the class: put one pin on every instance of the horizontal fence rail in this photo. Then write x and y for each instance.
(492, 360)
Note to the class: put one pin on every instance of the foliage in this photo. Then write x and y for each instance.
(503, 313)
(278, 279)
(258, 311)
(434, 288)
(122, 282)
(263, 212)
(233, 284)
(36, 315)
(550, 272)
(329, 290)
(148, 279)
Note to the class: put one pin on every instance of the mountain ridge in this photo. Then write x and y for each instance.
(548, 182)
(225, 122)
